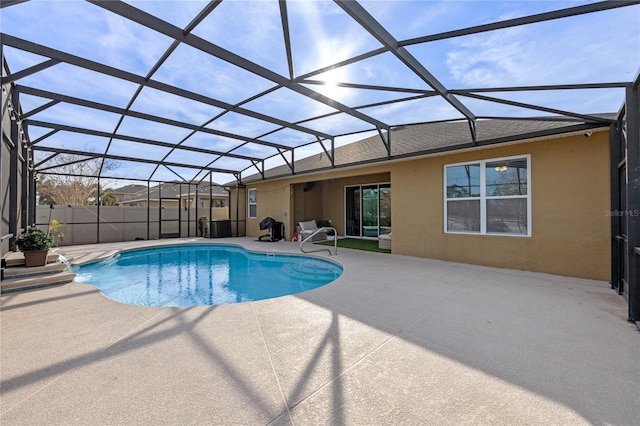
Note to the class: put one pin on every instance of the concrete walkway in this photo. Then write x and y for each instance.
(394, 341)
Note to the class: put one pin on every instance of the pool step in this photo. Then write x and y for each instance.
(33, 282)
(17, 277)
(23, 271)
(16, 258)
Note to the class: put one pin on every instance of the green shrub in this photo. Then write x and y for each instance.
(34, 239)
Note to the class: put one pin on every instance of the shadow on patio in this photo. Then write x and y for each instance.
(395, 340)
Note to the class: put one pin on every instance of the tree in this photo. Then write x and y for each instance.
(107, 197)
(71, 180)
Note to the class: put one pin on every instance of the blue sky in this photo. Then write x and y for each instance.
(595, 48)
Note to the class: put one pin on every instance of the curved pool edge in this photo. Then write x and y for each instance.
(289, 249)
(156, 244)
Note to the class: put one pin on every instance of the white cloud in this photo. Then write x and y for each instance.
(116, 41)
(166, 105)
(77, 116)
(70, 80)
(491, 61)
(555, 52)
(421, 110)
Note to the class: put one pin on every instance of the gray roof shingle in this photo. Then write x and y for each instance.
(421, 139)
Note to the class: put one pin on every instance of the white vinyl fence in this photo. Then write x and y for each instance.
(82, 224)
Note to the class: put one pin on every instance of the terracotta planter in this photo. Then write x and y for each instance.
(35, 257)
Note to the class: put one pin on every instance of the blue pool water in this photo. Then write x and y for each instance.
(201, 275)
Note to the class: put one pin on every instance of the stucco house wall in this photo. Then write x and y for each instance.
(274, 199)
(570, 194)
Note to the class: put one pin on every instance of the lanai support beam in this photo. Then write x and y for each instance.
(125, 158)
(31, 70)
(102, 134)
(43, 137)
(617, 150)
(632, 215)
(14, 156)
(290, 164)
(284, 17)
(330, 156)
(259, 169)
(136, 15)
(32, 189)
(148, 209)
(474, 131)
(531, 19)
(368, 22)
(26, 180)
(39, 109)
(238, 178)
(69, 163)
(386, 141)
(588, 118)
(143, 116)
(38, 49)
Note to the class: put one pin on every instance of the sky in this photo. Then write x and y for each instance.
(595, 48)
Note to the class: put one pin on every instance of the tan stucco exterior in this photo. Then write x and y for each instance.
(570, 193)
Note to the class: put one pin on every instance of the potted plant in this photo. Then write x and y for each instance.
(35, 244)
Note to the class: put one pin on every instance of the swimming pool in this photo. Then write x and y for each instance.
(204, 275)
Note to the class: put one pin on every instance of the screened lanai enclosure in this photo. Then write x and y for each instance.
(205, 97)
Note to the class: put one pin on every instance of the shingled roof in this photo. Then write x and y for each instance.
(430, 138)
(173, 190)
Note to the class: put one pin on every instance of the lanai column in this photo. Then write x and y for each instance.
(632, 215)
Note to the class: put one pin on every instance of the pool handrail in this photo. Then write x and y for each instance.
(323, 229)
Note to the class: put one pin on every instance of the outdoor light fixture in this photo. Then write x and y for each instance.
(501, 168)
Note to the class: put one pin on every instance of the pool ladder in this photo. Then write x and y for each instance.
(335, 241)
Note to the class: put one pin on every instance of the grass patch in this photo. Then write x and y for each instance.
(357, 244)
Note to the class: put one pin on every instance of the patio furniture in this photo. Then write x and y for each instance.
(309, 227)
(276, 230)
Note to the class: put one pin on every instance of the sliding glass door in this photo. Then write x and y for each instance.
(384, 217)
(352, 211)
(368, 210)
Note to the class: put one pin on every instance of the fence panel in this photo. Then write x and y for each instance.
(122, 223)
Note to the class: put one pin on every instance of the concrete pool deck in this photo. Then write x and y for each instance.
(395, 340)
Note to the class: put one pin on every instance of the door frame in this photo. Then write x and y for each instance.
(361, 186)
(178, 220)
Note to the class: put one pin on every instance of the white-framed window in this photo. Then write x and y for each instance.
(488, 197)
(253, 203)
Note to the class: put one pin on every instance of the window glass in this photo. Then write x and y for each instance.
(507, 177)
(463, 216)
(253, 203)
(385, 208)
(370, 211)
(352, 210)
(488, 197)
(507, 216)
(463, 181)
